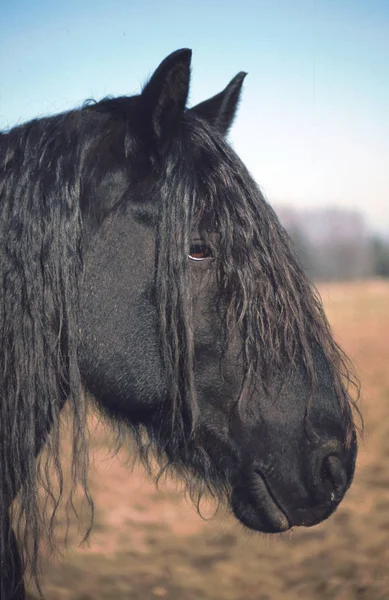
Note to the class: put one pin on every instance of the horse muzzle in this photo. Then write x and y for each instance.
(270, 503)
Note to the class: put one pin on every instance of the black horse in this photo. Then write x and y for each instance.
(139, 262)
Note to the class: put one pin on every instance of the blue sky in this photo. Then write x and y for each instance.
(313, 126)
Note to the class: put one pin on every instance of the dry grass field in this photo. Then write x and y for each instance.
(149, 544)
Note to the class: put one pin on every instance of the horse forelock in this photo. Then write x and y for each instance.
(260, 282)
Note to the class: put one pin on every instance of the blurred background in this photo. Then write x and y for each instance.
(313, 128)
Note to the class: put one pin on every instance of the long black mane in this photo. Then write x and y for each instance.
(48, 170)
(41, 167)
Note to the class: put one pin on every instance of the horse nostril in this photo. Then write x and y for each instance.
(332, 471)
(333, 477)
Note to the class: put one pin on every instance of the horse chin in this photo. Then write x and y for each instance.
(255, 507)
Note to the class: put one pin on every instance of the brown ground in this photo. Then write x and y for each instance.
(150, 544)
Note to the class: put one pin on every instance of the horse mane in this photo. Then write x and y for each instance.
(40, 267)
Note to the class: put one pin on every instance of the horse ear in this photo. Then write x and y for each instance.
(220, 110)
(164, 96)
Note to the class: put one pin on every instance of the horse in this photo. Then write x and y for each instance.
(140, 264)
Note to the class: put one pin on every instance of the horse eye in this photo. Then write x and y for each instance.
(199, 251)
